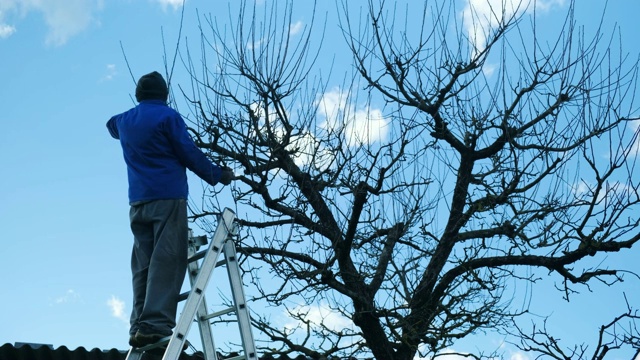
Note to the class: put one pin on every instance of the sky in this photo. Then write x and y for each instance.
(64, 260)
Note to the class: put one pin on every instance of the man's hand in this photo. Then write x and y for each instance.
(227, 176)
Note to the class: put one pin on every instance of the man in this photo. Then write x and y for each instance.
(157, 150)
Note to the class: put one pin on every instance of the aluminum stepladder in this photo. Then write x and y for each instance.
(195, 307)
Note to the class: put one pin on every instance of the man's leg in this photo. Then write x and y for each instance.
(143, 243)
(167, 266)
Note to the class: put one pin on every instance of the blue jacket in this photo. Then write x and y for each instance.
(158, 149)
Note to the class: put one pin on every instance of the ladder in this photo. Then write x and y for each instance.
(195, 306)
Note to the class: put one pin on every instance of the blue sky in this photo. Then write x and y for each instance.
(64, 261)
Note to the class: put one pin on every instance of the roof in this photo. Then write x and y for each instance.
(25, 351)
(42, 352)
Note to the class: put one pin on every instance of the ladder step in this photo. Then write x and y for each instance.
(183, 296)
(198, 256)
(201, 255)
(161, 342)
(218, 313)
(239, 357)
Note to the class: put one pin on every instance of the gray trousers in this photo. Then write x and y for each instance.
(158, 263)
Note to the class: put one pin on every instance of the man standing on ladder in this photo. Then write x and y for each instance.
(157, 150)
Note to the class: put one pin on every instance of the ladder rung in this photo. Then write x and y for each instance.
(239, 357)
(218, 313)
(198, 256)
(163, 341)
(221, 263)
(185, 295)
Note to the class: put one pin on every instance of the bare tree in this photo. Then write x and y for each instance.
(463, 156)
(611, 336)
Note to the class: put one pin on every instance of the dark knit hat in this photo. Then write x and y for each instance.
(152, 87)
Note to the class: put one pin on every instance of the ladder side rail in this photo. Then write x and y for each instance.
(137, 353)
(206, 336)
(225, 224)
(189, 311)
(134, 354)
(242, 310)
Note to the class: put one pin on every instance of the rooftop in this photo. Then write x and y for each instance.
(27, 351)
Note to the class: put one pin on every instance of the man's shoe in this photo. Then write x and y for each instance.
(140, 339)
(132, 341)
(158, 354)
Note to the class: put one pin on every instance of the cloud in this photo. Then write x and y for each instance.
(64, 18)
(635, 129)
(356, 126)
(610, 193)
(518, 355)
(446, 354)
(451, 354)
(175, 4)
(296, 28)
(481, 16)
(111, 72)
(6, 31)
(255, 45)
(318, 314)
(117, 309)
(364, 125)
(489, 69)
(308, 150)
(305, 148)
(70, 296)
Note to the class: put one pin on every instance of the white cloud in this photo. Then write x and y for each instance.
(489, 69)
(451, 354)
(293, 30)
(446, 354)
(609, 193)
(117, 308)
(296, 28)
(481, 16)
(6, 31)
(518, 355)
(111, 72)
(306, 148)
(356, 126)
(64, 18)
(309, 150)
(70, 296)
(320, 314)
(635, 129)
(175, 4)
(255, 45)
(359, 126)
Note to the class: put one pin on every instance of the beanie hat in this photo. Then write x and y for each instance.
(152, 87)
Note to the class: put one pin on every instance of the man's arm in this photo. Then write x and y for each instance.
(189, 154)
(113, 129)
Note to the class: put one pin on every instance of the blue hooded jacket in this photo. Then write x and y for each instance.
(158, 149)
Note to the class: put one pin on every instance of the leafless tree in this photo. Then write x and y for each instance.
(463, 156)
(619, 332)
